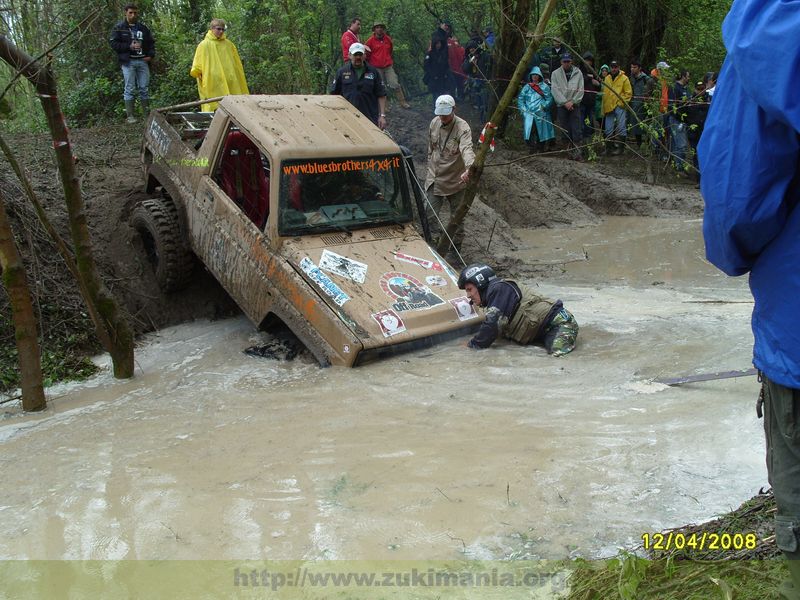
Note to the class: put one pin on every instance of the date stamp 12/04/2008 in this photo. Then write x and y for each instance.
(699, 541)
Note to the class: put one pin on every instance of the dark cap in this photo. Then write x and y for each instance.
(614, 63)
(566, 57)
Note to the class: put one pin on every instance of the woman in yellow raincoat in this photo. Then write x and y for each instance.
(217, 66)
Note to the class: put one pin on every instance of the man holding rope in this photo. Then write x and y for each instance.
(450, 155)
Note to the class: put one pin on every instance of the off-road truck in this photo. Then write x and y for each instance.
(302, 209)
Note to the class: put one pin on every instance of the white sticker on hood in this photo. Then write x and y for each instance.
(389, 322)
(464, 308)
(323, 281)
(341, 265)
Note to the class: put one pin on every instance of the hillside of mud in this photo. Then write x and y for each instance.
(517, 191)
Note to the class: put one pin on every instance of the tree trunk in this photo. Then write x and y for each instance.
(26, 334)
(113, 330)
(646, 24)
(476, 170)
(510, 43)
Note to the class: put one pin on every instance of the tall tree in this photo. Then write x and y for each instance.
(510, 44)
(645, 23)
(113, 330)
(24, 317)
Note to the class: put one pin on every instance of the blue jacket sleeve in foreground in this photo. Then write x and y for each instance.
(749, 150)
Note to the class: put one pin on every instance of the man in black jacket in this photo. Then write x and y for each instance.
(642, 85)
(135, 48)
(591, 85)
(362, 85)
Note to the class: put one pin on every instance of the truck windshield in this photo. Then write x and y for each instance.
(342, 193)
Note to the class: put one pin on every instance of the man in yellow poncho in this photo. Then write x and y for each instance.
(217, 67)
(615, 106)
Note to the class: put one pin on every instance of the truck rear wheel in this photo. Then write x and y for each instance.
(164, 246)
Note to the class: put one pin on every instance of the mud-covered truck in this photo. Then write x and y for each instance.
(302, 209)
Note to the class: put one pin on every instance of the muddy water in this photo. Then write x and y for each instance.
(209, 453)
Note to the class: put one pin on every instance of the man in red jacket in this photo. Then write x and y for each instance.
(350, 37)
(380, 57)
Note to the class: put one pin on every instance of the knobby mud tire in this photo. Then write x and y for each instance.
(156, 222)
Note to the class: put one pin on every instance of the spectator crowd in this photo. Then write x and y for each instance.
(565, 102)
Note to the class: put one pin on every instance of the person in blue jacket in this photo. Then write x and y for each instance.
(534, 101)
(749, 159)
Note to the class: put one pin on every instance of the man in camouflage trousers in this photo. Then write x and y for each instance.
(517, 313)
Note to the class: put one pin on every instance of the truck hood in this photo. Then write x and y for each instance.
(385, 291)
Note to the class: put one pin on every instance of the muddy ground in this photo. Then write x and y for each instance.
(517, 191)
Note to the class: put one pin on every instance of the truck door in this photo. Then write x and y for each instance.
(235, 199)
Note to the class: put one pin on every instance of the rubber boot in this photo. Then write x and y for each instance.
(129, 106)
(619, 147)
(145, 107)
(401, 98)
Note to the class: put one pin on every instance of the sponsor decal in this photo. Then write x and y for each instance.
(341, 265)
(436, 280)
(464, 309)
(323, 281)
(389, 322)
(421, 262)
(452, 274)
(346, 348)
(408, 291)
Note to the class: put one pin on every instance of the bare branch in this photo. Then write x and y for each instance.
(25, 68)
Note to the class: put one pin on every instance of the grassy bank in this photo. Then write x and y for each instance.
(733, 556)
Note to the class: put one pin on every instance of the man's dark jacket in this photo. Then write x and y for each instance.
(120, 41)
(363, 92)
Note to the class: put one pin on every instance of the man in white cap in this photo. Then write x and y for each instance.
(362, 85)
(450, 156)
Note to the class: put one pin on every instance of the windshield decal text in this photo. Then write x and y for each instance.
(317, 168)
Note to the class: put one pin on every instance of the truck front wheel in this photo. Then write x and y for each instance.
(164, 246)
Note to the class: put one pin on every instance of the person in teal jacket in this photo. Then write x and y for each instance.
(750, 163)
(534, 101)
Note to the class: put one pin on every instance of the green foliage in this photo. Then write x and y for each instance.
(63, 351)
(629, 577)
(92, 100)
(293, 46)
(694, 41)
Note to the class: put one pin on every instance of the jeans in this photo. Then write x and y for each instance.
(136, 74)
(587, 114)
(571, 126)
(679, 142)
(638, 117)
(619, 115)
